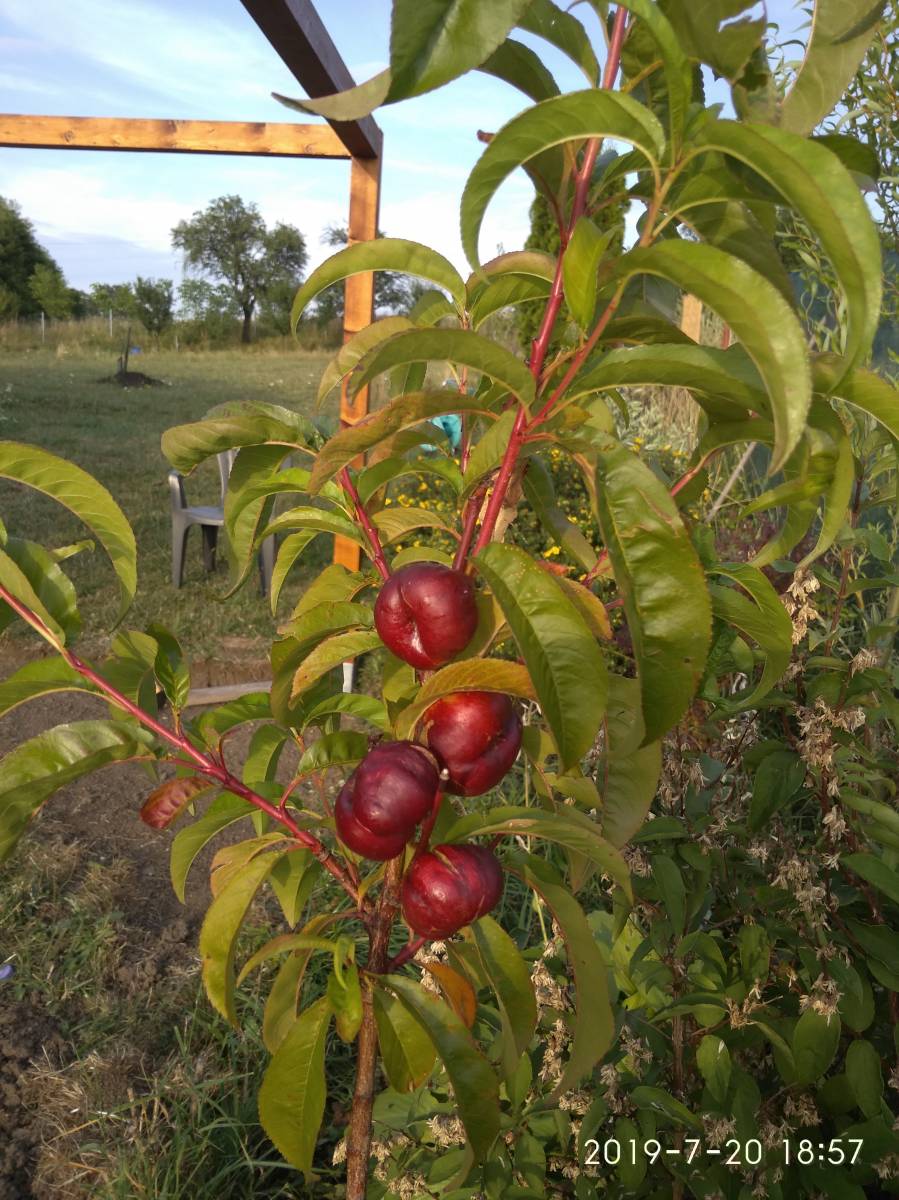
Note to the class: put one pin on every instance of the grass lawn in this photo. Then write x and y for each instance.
(59, 401)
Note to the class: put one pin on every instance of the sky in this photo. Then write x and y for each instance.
(108, 217)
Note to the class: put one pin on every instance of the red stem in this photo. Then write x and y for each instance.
(204, 764)
(375, 549)
(408, 951)
(553, 305)
(469, 521)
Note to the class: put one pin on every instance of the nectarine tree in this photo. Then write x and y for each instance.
(649, 630)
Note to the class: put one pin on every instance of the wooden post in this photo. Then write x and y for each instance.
(358, 309)
(691, 317)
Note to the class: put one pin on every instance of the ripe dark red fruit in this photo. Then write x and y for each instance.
(476, 736)
(358, 838)
(426, 614)
(390, 792)
(449, 887)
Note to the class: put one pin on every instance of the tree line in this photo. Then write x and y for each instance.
(237, 271)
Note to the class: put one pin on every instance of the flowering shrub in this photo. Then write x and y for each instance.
(671, 968)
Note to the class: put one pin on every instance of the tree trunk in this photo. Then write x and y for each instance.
(246, 334)
(359, 1129)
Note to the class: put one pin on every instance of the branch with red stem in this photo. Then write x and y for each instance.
(553, 305)
(204, 764)
(375, 550)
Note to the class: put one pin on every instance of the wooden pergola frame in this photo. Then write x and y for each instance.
(296, 32)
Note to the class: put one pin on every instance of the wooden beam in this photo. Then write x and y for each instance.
(359, 303)
(179, 137)
(691, 317)
(296, 32)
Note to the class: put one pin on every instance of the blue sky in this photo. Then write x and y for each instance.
(108, 216)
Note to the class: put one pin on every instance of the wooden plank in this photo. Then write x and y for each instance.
(359, 303)
(302, 42)
(171, 136)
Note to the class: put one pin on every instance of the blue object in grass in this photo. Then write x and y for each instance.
(7, 971)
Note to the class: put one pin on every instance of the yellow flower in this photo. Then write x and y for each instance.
(551, 552)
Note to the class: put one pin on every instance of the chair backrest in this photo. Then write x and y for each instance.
(176, 492)
(226, 462)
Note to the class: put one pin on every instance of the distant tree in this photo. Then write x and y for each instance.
(117, 298)
(20, 256)
(394, 293)
(154, 303)
(50, 291)
(229, 242)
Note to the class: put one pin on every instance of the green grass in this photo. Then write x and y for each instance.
(59, 402)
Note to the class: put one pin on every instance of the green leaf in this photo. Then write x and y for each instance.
(292, 880)
(558, 27)
(814, 1044)
(778, 778)
(468, 675)
(79, 492)
(567, 827)
(763, 618)
(363, 708)
(345, 996)
(487, 453)
(292, 1095)
(837, 500)
(342, 749)
(35, 769)
(250, 423)
(17, 583)
(540, 494)
(474, 1083)
(587, 114)
(377, 427)
(662, 584)
(580, 265)
(628, 771)
(510, 979)
(252, 486)
(593, 1027)
(222, 923)
(331, 653)
(864, 389)
(448, 345)
(407, 1052)
(875, 871)
(289, 553)
(518, 65)
(559, 650)
(397, 522)
(724, 374)
(33, 575)
(349, 354)
(190, 840)
(307, 517)
(330, 616)
(170, 668)
(815, 183)
(386, 470)
(380, 254)
(865, 1077)
(835, 48)
(678, 72)
(673, 892)
(351, 105)
(663, 1102)
(40, 678)
(506, 292)
(713, 1060)
(760, 317)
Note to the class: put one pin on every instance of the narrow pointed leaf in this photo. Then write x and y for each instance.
(557, 26)
(40, 678)
(591, 113)
(661, 581)
(79, 492)
(225, 810)
(35, 769)
(407, 1052)
(292, 1095)
(560, 651)
(510, 979)
(468, 675)
(349, 354)
(166, 803)
(593, 1026)
(628, 772)
(763, 617)
(580, 264)
(380, 254)
(474, 1083)
(517, 64)
(246, 424)
(760, 317)
(331, 653)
